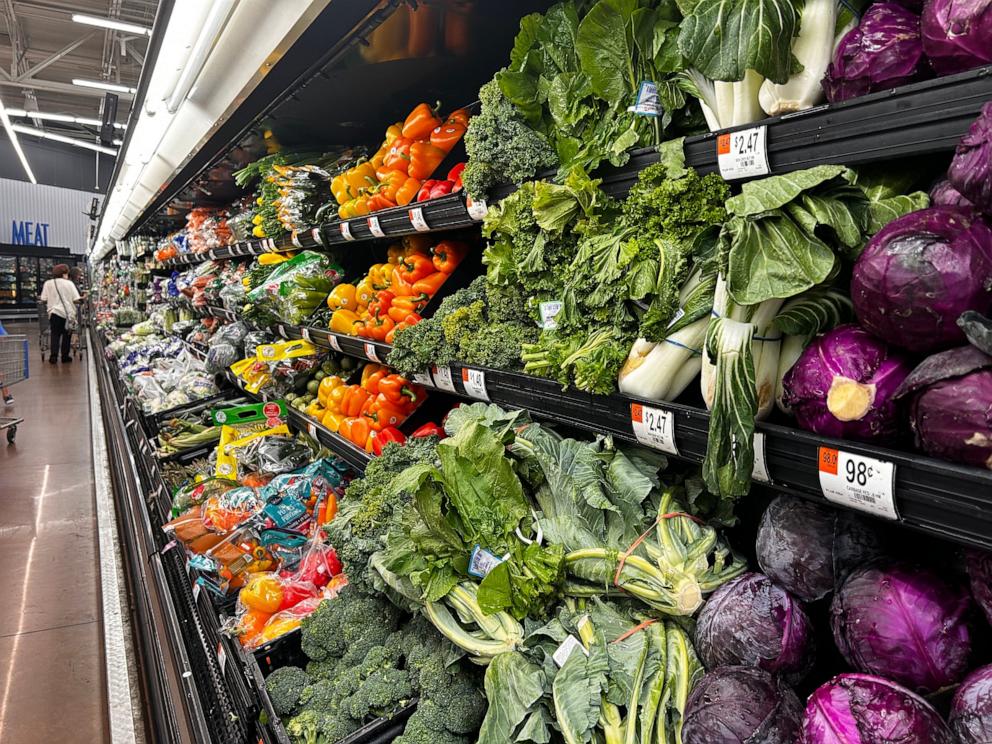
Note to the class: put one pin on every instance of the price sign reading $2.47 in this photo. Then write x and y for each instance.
(742, 154)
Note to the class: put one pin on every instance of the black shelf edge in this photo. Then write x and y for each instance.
(448, 212)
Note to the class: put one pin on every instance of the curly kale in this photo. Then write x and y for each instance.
(284, 687)
(501, 147)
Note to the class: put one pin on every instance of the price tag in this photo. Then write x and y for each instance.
(417, 220)
(423, 378)
(742, 154)
(760, 470)
(317, 237)
(476, 208)
(375, 228)
(481, 562)
(566, 648)
(346, 231)
(305, 334)
(312, 429)
(296, 240)
(332, 341)
(442, 379)
(549, 311)
(281, 330)
(196, 591)
(221, 657)
(213, 255)
(859, 482)
(654, 427)
(370, 353)
(474, 381)
(271, 244)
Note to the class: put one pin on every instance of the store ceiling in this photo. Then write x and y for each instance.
(42, 50)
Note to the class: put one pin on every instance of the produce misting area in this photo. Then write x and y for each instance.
(612, 372)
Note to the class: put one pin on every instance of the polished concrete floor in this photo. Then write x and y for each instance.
(51, 647)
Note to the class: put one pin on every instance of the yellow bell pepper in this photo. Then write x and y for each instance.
(277, 627)
(364, 292)
(332, 420)
(262, 592)
(335, 397)
(315, 409)
(392, 132)
(356, 207)
(343, 321)
(361, 177)
(343, 298)
(326, 386)
(394, 253)
(258, 231)
(380, 276)
(340, 188)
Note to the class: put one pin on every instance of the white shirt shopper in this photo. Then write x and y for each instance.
(60, 295)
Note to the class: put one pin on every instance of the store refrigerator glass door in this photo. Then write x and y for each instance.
(8, 280)
(27, 274)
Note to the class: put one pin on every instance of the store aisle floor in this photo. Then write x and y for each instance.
(51, 649)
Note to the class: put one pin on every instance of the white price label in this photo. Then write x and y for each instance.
(742, 154)
(332, 341)
(281, 330)
(346, 231)
(859, 482)
(423, 378)
(312, 429)
(221, 657)
(375, 228)
(196, 591)
(370, 353)
(565, 650)
(213, 255)
(476, 208)
(549, 311)
(305, 334)
(417, 220)
(443, 380)
(474, 381)
(317, 237)
(296, 240)
(759, 471)
(481, 562)
(654, 427)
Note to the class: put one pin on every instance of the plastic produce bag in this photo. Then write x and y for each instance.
(294, 290)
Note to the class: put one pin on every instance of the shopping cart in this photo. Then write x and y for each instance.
(45, 332)
(13, 369)
(44, 329)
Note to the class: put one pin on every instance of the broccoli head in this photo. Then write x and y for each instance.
(420, 731)
(347, 627)
(285, 685)
(316, 727)
(379, 694)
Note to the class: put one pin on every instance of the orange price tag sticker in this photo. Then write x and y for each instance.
(723, 144)
(828, 460)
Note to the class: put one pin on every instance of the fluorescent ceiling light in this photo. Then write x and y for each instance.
(17, 145)
(110, 23)
(60, 117)
(118, 142)
(60, 138)
(205, 40)
(101, 85)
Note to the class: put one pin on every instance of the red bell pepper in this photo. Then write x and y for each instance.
(425, 191)
(383, 437)
(441, 188)
(455, 175)
(429, 429)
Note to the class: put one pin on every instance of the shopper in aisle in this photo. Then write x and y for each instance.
(61, 296)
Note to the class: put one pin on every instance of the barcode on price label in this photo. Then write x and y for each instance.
(346, 231)
(370, 353)
(423, 378)
(332, 341)
(418, 221)
(474, 381)
(317, 237)
(858, 482)
(443, 380)
(743, 154)
(375, 228)
(760, 470)
(476, 208)
(654, 427)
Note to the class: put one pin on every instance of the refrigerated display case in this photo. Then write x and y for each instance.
(8, 280)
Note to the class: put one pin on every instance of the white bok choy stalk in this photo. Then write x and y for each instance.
(740, 365)
(822, 24)
(661, 371)
(801, 319)
(726, 104)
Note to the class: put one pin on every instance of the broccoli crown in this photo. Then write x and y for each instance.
(380, 693)
(318, 727)
(347, 627)
(501, 147)
(285, 685)
(419, 730)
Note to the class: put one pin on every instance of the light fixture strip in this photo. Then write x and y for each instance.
(14, 141)
(111, 23)
(22, 113)
(101, 85)
(60, 138)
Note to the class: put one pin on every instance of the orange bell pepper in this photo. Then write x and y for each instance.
(446, 136)
(430, 284)
(371, 376)
(421, 122)
(398, 157)
(390, 185)
(448, 254)
(411, 304)
(398, 390)
(394, 253)
(424, 160)
(381, 413)
(414, 268)
(379, 201)
(353, 400)
(408, 191)
(458, 116)
(400, 286)
(379, 326)
(356, 429)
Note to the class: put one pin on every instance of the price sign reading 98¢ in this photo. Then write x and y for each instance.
(742, 154)
(858, 482)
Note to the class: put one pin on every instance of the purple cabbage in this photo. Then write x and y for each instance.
(950, 405)
(971, 168)
(971, 709)
(750, 621)
(903, 623)
(861, 709)
(943, 194)
(809, 548)
(919, 273)
(883, 51)
(842, 386)
(980, 577)
(957, 34)
(741, 705)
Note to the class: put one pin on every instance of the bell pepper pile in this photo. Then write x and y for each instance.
(392, 294)
(368, 414)
(395, 175)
